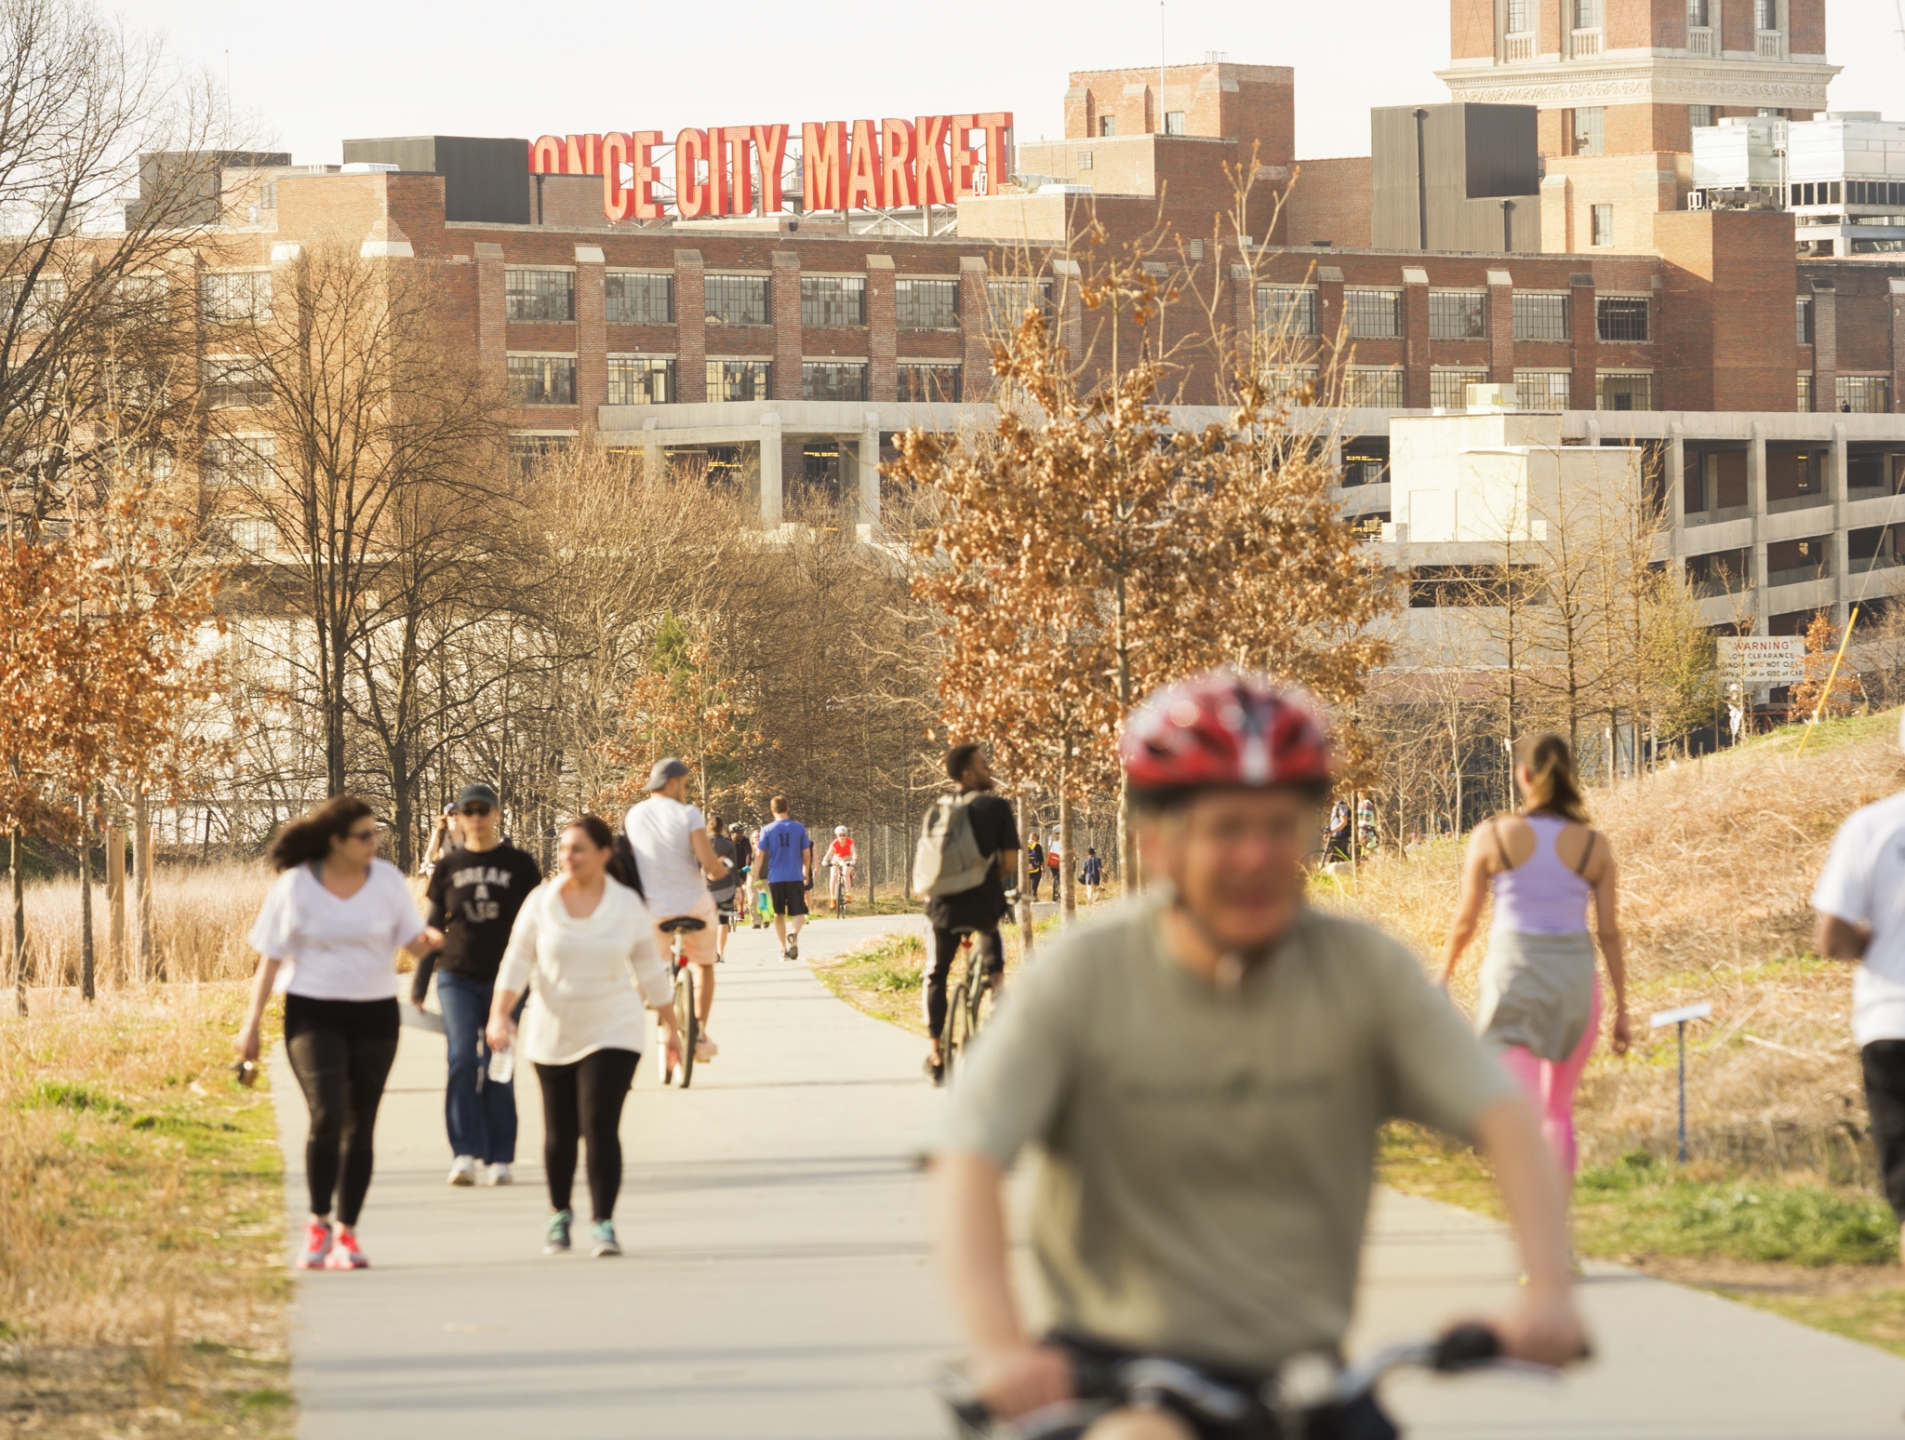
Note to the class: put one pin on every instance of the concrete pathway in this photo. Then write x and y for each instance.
(776, 1284)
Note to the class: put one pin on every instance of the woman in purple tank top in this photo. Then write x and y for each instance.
(1540, 1000)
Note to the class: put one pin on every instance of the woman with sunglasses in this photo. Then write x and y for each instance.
(337, 916)
(474, 894)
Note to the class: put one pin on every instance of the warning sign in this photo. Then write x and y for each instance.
(1763, 659)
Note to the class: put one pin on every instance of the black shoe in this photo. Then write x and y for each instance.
(935, 1070)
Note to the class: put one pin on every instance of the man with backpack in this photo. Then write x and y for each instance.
(968, 848)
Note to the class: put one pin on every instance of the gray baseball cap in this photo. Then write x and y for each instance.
(664, 771)
(477, 794)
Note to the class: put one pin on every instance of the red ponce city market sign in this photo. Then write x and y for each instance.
(845, 165)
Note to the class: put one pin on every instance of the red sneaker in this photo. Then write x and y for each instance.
(345, 1255)
(317, 1247)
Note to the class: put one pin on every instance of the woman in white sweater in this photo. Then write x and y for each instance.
(586, 940)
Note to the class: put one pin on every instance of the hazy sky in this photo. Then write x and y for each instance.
(311, 75)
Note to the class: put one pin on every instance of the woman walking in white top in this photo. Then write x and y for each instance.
(582, 936)
(337, 915)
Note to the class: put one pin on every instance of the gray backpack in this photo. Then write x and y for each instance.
(947, 860)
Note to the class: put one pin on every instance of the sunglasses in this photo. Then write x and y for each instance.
(363, 835)
(476, 808)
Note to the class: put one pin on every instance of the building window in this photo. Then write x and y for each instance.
(1864, 394)
(243, 461)
(930, 382)
(1766, 14)
(231, 297)
(540, 297)
(1448, 389)
(1010, 299)
(1590, 130)
(1802, 320)
(526, 452)
(1521, 16)
(1542, 389)
(1286, 311)
(737, 299)
(833, 380)
(1587, 14)
(1107, 126)
(1805, 392)
(926, 304)
(640, 299)
(1084, 159)
(1293, 385)
(1601, 225)
(739, 379)
(1622, 318)
(641, 380)
(1543, 317)
(1700, 17)
(1458, 315)
(833, 302)
(1173, 122)
(542, 379)
(1373, 314)
(1625, 392)
(234, 382)
(1372, 388)
(1699, 117)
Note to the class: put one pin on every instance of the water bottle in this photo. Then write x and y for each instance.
(502, 1065)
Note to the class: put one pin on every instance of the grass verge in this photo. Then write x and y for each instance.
(1823, 1255)
(142, 1280)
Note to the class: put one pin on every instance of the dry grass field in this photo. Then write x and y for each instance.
(200, 915)
(142, 1222)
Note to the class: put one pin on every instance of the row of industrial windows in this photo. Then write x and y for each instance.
(1851, 394)
(651, 380)
(1381, 388)
(1173, 125)
(1586, 15)
(827, 302)
(1849, 192)
(1453, 314)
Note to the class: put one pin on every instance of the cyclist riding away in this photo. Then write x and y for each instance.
(788, 853)
(676, 861)
(1205, 1073)
(978, 910)
(840, 856)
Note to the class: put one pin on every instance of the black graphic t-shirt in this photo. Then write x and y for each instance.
(474, 896)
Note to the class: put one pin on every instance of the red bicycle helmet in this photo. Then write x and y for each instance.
(1223, 728)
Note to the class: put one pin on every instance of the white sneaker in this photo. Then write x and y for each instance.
(501, 1174)
(463, 1170)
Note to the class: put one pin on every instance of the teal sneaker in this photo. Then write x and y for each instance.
(602, 1234)
(555, 1239)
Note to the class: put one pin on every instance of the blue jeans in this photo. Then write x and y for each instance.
(480, 1114)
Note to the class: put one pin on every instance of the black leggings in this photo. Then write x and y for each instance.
(945, 951)
(341, 1051)
(584, 1100)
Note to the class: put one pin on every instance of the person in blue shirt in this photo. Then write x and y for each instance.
(787, 853)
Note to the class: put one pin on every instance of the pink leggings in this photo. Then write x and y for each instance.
(1550, 1085)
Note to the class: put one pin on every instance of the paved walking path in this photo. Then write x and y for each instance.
(776, 1284)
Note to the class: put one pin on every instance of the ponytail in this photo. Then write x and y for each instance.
(1553, 784)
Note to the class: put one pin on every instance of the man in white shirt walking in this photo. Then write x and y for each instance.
(1860, 898)
(677, 860)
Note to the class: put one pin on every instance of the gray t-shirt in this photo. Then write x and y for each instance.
(1208, 1156)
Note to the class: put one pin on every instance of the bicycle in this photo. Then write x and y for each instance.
(840, 885)
(687, 1023)
(963, 1008)
(1301, 1395)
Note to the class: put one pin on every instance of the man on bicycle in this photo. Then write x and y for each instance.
(677, 860)
(975, 912)
(1205, 1072)
(840, 857)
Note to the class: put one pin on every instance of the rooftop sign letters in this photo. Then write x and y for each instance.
(844, 165)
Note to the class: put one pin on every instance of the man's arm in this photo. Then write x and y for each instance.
(711, 864)
(1545, 1328)
(1838, 939)
(807, 865)
(1011, 1374)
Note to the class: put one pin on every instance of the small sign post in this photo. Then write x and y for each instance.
(1679, 1018)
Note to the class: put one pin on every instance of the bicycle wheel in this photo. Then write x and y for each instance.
(686, 1022)
(978, 1004)
(953, 1038)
